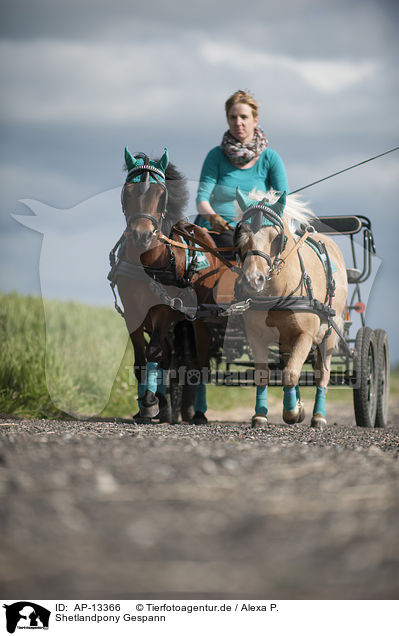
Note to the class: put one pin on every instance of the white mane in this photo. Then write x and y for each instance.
(296, 210)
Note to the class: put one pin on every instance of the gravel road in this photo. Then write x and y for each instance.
(112, 509)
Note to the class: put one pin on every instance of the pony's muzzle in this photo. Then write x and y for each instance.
(256, 280)
(142, 233)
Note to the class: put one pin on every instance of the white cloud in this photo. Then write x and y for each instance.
(58, 81)
(325, 76)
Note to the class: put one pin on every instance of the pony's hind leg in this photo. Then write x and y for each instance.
(139, 344)
(322, 374)
(202, 343)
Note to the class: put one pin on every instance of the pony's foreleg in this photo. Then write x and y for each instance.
(322, 374)
(155, 388)
(293, 410)
(139, 344)
(262, 381)
(260, 337)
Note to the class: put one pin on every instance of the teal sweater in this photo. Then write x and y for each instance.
(220, 178)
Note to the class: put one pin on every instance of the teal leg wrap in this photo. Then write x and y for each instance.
(261, 400)
(152, 376)
(320, 401)
(200, 398)
(290, 399)
(141, 388)
(161, 388)
(298, 393)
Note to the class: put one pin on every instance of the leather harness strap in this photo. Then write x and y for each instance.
(204, 246)
(297, 245)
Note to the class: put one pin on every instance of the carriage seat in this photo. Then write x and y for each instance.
(345, 224)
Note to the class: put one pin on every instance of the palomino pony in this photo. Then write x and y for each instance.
(154, 276)
(275, 264)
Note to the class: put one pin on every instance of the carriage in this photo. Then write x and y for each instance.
(360, 361)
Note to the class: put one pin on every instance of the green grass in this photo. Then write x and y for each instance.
(70, 367)
(88, 366)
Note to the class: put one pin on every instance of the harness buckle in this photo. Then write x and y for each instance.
(176, 303)
(237, 308)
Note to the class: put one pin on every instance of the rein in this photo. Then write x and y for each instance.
(204, 247)
(308, 231)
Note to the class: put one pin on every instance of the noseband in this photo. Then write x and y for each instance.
(145, 171)
(254, 216)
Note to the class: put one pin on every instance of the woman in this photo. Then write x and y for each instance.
(244, 160)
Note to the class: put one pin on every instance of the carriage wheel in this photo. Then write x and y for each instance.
(381, 338)
(365, 372)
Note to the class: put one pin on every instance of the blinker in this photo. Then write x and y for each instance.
(256, 221)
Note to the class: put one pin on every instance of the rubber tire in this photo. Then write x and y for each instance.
(381, 338)
(365, 372)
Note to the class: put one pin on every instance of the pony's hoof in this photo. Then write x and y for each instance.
(199, 419)
(258, 420)
(149, 405)
(318, 421)
(291, 417)
(137, 418)
(301, 414)
(140, 419)
(149, 412)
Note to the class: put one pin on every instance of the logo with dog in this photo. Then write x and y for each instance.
(26, 615)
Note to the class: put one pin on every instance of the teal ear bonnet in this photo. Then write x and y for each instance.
(133, 162)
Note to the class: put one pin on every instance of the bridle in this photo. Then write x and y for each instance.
(255, 215)
(145, 171)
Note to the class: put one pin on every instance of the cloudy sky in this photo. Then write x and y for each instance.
(82, 80)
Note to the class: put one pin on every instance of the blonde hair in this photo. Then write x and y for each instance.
(242, 97)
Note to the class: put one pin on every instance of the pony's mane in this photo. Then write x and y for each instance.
(296, 210)
(178, 194)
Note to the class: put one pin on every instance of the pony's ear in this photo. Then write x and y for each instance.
(164, 160)
(130, 161)
(243, 201)
(280, 203)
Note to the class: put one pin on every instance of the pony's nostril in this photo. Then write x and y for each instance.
(260, 281)
(142, 238)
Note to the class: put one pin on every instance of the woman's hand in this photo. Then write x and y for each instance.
(217, 223)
